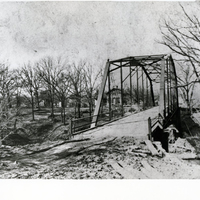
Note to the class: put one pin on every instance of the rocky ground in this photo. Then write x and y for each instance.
(114, 151)
(108, 158)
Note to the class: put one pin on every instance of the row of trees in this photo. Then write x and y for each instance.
(58, 80)
(79, 82)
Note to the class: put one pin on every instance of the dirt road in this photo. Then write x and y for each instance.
(114, 151)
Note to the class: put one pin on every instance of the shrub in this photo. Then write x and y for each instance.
(132, 110)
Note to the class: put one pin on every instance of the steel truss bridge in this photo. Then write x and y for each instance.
(152, 81)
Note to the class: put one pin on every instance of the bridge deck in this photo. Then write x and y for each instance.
(135, 125)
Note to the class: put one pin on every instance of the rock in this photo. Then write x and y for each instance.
(14, 175)
(15, 139)
(184, 144)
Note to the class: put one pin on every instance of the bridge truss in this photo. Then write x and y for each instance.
(150, 81)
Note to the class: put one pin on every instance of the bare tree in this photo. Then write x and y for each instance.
(47, 72)
(76, 77)
(31, 83)
(183, 38)
(92, 77)
(37, 82)
(55, 80)
(62, 88)
(6, 88)
(18, 88)
(186, 83)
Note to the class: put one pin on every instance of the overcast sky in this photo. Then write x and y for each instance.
(92, 31)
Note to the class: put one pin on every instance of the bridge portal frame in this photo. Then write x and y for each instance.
(156, 68)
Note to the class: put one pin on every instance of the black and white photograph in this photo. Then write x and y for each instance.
(99, 90)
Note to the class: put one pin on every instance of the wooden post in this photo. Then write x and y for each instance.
(149, 129)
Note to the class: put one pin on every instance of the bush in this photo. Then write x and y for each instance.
(131, 110)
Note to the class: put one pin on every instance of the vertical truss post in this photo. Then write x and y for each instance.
(152, 94)
(147, 95)
(130, 85)
(100, 95)
(149, 129)
(137, 87)
(178, 116)
(170, 86)
(162, 89)
(109, 97)
(151, 86)
(121, 80)
(142, 89)
(168, 98)
(176, 84)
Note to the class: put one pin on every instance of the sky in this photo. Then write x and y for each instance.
(91, 31)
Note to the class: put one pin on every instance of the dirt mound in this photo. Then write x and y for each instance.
(60, 132)
(38, 128)
(15, 139)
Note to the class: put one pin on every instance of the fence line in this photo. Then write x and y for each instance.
(83, 123)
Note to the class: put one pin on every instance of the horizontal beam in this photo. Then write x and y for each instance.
(146, 57)
(118, 66)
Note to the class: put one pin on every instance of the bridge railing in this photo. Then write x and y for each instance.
(154, 122)
(84, 123)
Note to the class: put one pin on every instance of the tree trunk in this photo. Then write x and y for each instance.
(37, 99)
(63, 110)
(61, 113)
(52, 109)
(32, 105)
(90, 103)
(90, 108)
(75, 110)
(18, 101)
(79, 109)
(52, 105)
(188, 101)
(9, 100)
(64, 115)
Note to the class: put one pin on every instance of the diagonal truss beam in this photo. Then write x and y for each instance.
(100, 96)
